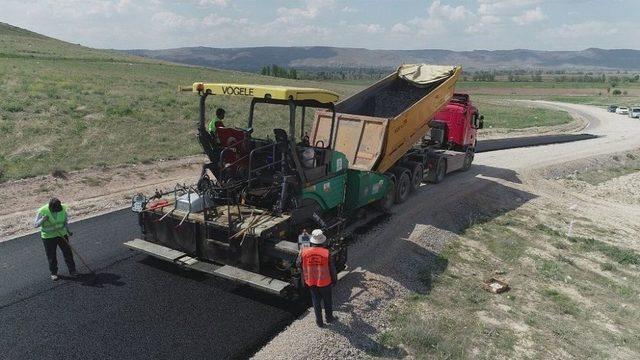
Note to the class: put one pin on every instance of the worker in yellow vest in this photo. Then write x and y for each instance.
(53, 221)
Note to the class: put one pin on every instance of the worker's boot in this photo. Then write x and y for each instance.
(74, 273)
(54, 277)
(331, 319)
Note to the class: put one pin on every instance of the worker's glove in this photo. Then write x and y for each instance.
(70, 233)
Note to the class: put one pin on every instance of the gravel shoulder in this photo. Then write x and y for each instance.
(384, 261)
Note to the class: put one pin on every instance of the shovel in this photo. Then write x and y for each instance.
(66, 240)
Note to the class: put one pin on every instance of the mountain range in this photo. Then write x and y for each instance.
(318, 57)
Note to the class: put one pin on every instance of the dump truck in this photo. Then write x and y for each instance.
(245, 217)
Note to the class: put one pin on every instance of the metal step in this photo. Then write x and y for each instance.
(258, 281)
(155, 250)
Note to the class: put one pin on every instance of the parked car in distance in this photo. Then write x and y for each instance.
(612, 108)
(634, 112)
(622, 110)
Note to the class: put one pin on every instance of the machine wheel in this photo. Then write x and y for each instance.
(437, 176)
(403, 185)
(417, 173)
(386, 203)
(468, 159)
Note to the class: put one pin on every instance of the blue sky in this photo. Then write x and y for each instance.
(379, 24)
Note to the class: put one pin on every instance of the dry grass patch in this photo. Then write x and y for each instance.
(571, 297)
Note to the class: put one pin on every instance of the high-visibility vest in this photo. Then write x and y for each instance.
(54, 225)
(315, 266)
(212, 125)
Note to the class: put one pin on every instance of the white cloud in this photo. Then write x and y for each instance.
(368, 28)
(349, 9)
(312, 9)
(218, 3)
(447, 12)
(168, 19)
(400, 28)
(529, 17)
(584, 30)
(504, 7)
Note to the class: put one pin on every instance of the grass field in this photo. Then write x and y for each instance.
(571, 92)
(65, 107)
(571, 297)
(503, 114)
(68, 108)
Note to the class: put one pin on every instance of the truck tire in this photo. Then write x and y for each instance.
(437, 175)
(403, 184)
(468, 159)
(417, 174)
(386, 203)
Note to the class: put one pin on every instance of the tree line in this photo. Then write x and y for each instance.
(279, 71)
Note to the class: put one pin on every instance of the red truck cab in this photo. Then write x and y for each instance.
(461, 121)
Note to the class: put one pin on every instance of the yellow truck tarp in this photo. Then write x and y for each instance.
(265, 92)
(423, 74)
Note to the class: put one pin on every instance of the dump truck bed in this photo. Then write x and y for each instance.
(378, 125)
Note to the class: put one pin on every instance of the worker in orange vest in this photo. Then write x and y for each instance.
(319, 274)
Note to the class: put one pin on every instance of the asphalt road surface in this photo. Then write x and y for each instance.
(527, 141)
(135, 307)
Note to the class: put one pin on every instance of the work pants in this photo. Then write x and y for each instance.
(320, 296)
(50, 246)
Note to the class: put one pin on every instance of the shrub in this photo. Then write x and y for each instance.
(59, 174)
(617, 92)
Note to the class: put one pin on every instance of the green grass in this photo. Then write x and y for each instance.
(562, 303)
(545, 312)
(479, 85)
(595, 177)
(502, 114)
(620, 255)
(70, 107)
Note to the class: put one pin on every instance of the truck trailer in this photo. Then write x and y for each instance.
(243, 218)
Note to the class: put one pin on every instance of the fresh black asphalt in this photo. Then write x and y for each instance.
(135, 307)
(526, 141)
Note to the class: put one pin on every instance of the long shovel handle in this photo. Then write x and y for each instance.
(66, 240)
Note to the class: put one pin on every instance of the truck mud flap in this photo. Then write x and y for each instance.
(255, 280)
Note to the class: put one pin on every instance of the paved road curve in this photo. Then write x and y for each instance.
(136, 307)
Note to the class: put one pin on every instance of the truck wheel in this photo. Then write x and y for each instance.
(417, 174)
(468, 159)
(403, 186)
(386, 203)
(436, 176)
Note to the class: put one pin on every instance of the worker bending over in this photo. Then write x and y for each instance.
(319, 274)
(53, 221)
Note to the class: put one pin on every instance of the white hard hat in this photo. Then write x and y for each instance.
(317, 237)
(308, 153)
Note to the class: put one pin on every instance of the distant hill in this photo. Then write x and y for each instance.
(254, 58)
(16, 42)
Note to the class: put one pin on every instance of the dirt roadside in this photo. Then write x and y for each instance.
(384, 262)
(89, 192)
